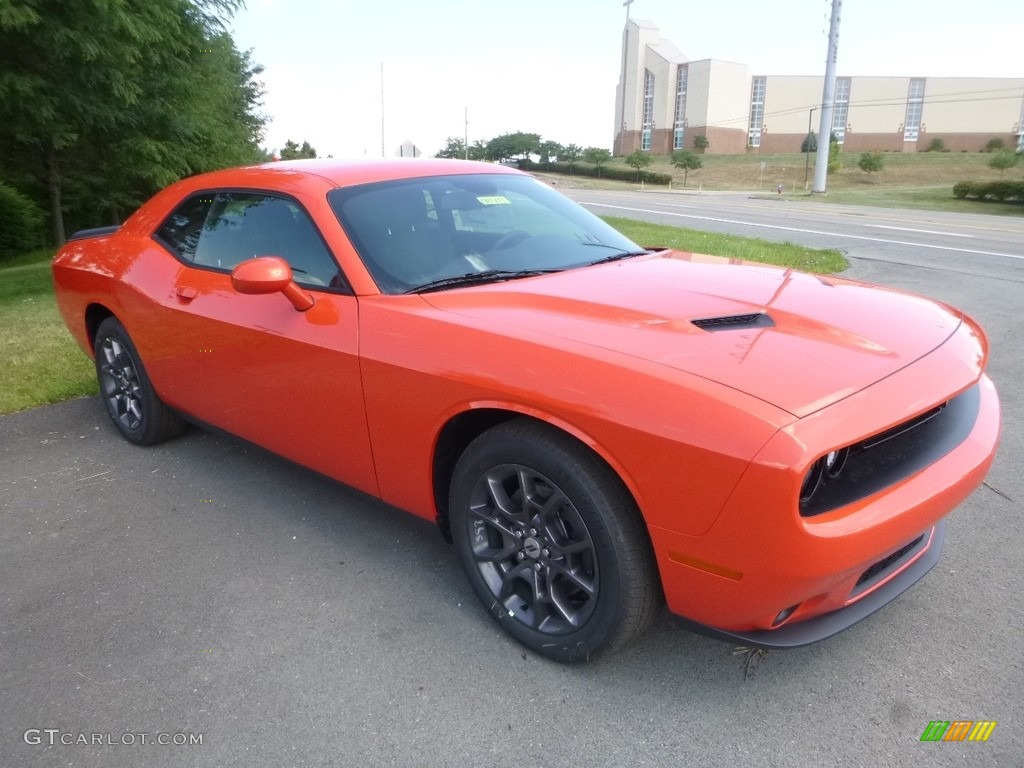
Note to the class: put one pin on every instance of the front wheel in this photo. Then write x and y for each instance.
(133, 405)
(552, 542)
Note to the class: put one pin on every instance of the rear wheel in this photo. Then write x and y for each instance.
(133, 405)
(552, 542)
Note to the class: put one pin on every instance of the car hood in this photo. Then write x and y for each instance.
(797, 341)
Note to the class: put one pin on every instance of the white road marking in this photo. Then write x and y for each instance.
(808, 231)
(921, 231)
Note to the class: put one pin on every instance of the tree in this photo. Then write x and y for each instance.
(834, 163)
(871, 161)
(995, 144)
(549, 149)
(510, 145)
(478, 150)
(571, 153)
(639, 160)
(292, 151)
(810, 143)
(22, 222)
(686, 161)
(701, 142)
(104, 102)
(1003, 159)
(454, 149)
(597, 156)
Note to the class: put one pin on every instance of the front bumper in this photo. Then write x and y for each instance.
(766, 576)
(826, 625)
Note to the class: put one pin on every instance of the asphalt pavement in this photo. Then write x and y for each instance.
(204, 591)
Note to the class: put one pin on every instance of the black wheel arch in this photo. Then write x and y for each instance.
(463, 429)
(94, 315)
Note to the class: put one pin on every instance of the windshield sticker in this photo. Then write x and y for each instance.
(494, 200)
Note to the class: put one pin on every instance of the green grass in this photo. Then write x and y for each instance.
(922, 180)
(39, 361)
(919, 198)
(733, 246)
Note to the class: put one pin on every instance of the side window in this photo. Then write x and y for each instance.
(181, 231)
(243, 225)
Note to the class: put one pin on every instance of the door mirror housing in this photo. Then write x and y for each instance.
(269, 274)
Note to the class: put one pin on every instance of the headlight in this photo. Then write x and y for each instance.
(826, 468)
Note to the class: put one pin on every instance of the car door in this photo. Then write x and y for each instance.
(254, 365)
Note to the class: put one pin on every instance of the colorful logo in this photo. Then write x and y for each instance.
(958, 730)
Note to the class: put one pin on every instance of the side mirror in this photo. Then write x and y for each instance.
(269, 274)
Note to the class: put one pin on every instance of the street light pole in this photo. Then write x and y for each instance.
(828, 100)
(807, 147)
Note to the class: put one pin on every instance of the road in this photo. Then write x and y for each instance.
(991, 245)
(204, 588)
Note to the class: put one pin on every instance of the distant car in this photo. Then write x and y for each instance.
(598, 427)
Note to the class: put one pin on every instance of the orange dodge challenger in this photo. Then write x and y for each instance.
(598, 428)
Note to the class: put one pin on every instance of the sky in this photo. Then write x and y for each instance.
(551, 66)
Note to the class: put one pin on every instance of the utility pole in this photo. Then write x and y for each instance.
(382, 109)
(621, 122)
(467, 133)
(807, 147)
(828, 98)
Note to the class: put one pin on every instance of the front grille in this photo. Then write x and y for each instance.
(884, 563)
(734, 322)
(879, 570)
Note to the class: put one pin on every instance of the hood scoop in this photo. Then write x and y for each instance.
(734, 322)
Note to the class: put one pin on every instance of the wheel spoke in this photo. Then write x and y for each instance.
(503, 503)
(587, 584)
(490, 515)
(496, 554)
(509, 579)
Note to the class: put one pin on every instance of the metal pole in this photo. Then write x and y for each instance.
(382, 109)
(807, 147)
(467, 133)
(828, 98)
(621, 122)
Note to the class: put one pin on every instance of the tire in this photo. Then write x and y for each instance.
(131, 402)
(552, 542)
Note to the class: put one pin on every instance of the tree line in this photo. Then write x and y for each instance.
(521, 146)
(103, 102)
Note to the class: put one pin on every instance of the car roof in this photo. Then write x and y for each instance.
(343, 173)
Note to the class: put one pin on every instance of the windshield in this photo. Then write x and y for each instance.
(430, 233)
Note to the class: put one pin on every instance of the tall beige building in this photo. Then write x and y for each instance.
(664, 100)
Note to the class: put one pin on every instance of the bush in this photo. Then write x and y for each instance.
(1003, 159)
(961, 189)
(614, 172)
(22, 223)
(834, 150)
(937, 145)
(871, 162)
(994, 145)
(1002, 191)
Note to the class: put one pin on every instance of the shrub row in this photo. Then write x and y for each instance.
(990, 190)
(615, 172)
(21, 223)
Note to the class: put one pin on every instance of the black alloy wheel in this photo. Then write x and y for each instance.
(131, 402)
(552, 542)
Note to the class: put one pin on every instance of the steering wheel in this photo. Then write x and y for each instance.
(509, 239)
